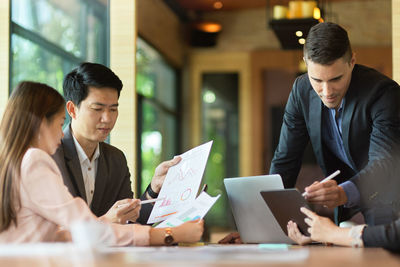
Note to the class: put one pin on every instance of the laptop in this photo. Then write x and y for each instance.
(254, 220)
(285, 204)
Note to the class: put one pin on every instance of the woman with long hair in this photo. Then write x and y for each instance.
(34, 202)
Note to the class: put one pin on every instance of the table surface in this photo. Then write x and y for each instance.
(229, 255)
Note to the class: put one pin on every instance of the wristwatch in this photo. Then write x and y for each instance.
(168, 239)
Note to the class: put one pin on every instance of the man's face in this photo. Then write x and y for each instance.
(94, 119)
(331, 82)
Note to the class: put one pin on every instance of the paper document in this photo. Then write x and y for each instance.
(197, 210)
(181, 183)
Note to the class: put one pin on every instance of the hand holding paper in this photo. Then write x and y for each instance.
(181, 183)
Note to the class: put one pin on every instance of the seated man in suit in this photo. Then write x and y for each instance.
(349, 113)
(92, 169)
(380, 204)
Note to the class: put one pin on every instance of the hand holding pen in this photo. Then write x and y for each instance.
(127, 210)
(326, 192)
(142, 202)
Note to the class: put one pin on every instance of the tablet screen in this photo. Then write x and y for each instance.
(285, 204)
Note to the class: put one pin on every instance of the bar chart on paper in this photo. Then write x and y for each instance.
(181, 183)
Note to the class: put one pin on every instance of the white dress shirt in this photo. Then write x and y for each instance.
(89, 169)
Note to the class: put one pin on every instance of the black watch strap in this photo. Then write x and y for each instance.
(151, 192)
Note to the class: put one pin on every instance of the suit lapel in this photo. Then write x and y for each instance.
(72, 163)
(316, 126)
(348, 111)
(101, 180)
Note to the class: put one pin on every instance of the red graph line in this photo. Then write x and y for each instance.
(165, 215)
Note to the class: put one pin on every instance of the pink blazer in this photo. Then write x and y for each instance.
(46, 204)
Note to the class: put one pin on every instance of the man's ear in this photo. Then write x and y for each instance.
(353, 59)
(71, 109)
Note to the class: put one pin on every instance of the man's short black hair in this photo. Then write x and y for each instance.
(76, 83)
(327, 42)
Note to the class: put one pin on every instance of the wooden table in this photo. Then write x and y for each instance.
(318, 256)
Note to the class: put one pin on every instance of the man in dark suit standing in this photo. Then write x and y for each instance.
(92, 169)
(349, 113)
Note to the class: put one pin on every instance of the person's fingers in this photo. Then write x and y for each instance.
(238, 241)
(308, 213)
(296, 230)
(329, 183)
(308, 221)
(325, 194)
(229, 238)
(313, 187)
(169, 163)
(291, 231)
(128, 207)
(299, 237)
(318, 186)
(135, 203)
(130, 215)
(175, 161)
(123, 202)
(326, 203)
(309, 230)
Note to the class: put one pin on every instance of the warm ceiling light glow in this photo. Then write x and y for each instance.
(302, 41)
(299, 33)
(209, 27)
(218, 5)
(317, 13)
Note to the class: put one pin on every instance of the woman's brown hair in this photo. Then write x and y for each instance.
(28, 105)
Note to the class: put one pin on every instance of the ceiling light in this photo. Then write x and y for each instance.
(317, 13)
(218, 5)
(208, 26)
(302, 41)
(299, 33)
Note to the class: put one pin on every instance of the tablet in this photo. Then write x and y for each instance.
(285, 204)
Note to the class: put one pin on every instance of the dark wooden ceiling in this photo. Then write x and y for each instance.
(208, 5)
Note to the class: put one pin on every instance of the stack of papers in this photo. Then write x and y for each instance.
(180, 188)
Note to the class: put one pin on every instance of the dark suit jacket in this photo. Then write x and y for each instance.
(112, 181)
(370, 127)
(386, 236)
(379, 186)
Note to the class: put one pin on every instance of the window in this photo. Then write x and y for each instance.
(158, 110)
(50, 37)
(220, 123)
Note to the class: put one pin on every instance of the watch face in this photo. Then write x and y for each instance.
(168, 239)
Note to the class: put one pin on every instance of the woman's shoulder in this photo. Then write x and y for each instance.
(33, 152)
(34, 156)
